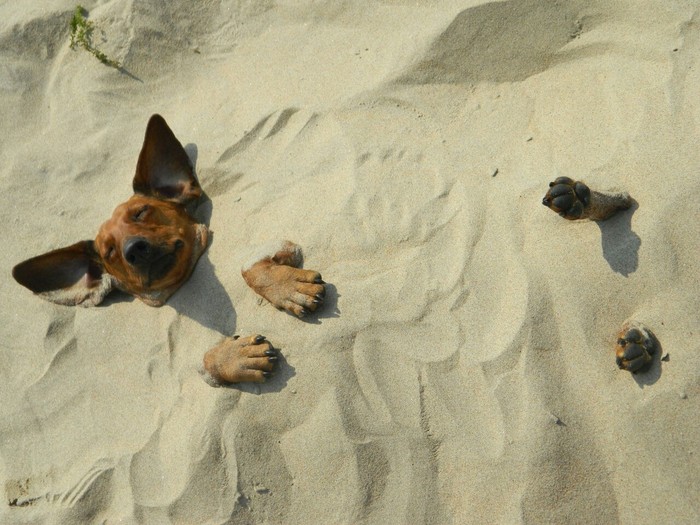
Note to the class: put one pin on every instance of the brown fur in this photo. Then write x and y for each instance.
(161, 223)
(149, 248)
(84, 273)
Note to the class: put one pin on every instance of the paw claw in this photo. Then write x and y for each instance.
(259, 339)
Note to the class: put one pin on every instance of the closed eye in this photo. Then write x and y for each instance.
(141, 213)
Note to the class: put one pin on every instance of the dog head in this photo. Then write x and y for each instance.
(149, 246)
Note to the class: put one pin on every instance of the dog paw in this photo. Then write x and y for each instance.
(291, 289)
(239, 360)
(574, 200)
(567, 197)
(635, 348)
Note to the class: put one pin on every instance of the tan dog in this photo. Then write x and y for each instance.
(149, 247)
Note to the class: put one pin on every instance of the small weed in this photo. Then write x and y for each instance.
(81, 35)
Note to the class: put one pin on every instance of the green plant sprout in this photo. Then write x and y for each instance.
(81, 35)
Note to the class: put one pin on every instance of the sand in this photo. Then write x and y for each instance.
(463, 368)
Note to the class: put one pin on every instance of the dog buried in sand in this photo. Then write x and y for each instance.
(149, 248)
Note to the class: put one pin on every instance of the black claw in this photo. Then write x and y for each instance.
(318, 280)
(303, 312)
(272, 358)
(259, 338)
(267, 374)
(270, 353)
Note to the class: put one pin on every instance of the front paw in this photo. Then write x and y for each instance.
(239, 360)
(293, 290)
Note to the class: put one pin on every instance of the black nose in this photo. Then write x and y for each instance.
(137, 251)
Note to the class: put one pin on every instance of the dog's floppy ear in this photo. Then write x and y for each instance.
(72, 275)
(164, 170)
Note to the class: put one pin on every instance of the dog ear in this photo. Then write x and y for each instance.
(72, 275)
(164, 170)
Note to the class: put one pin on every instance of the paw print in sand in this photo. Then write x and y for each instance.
(635, 348)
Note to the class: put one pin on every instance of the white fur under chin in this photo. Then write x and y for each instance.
(268, 250)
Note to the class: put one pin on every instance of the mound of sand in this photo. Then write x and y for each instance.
(463, 369)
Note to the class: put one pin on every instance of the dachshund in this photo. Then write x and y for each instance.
(149, 247)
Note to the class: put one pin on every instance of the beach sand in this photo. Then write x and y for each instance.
(463, 367)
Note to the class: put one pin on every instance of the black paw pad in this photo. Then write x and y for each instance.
(634, 350)
(567, 197)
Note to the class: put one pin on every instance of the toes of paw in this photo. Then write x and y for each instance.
(255, 339)
(255, 376)
(567, 197)
(310, 296)
(263, 364)
(316, 290)
(296, 309)
(309, 276)
(258, 350)
(307, 302)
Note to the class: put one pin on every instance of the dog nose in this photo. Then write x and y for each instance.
(137, 251)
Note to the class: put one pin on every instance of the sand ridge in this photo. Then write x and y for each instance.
(463, 369)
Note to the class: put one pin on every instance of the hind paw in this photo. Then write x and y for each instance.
(635, 348)
(567, 197)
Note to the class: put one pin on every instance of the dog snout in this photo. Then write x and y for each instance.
(138, 251)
